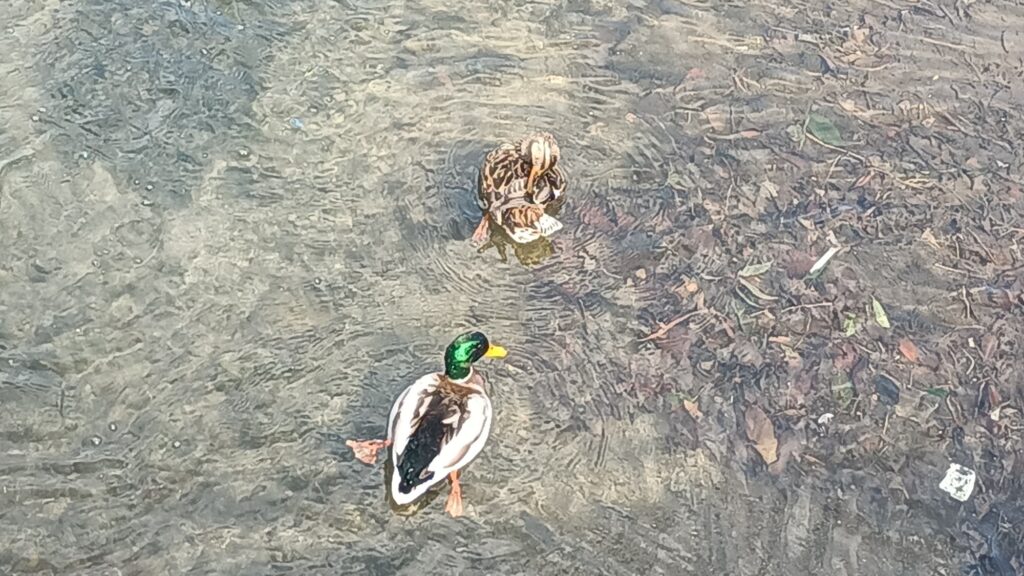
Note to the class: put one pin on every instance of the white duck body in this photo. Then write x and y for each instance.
(437, 426)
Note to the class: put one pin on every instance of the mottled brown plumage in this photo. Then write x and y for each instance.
(518, 181)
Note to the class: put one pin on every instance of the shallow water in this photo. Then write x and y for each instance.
(232, 232)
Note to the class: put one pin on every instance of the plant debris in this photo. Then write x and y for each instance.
(761, 432)
(887, 388)
(909, 349)
(823, 129)
(693, 409)
(755, 269)
(881, 318)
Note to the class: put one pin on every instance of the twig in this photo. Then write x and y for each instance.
(803, 306)
(907, 183)
(941, 43)
(664, 328)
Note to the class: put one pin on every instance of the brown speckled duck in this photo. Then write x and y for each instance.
(517, 182)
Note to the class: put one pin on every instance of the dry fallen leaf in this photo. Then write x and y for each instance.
(693, 409)
(909, 349)
(881, 318)
(929, 237)
(716, 119)
(761, 432)
(988, 346)
(863, 180)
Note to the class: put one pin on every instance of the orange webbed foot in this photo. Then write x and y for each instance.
(480, 234)
(454, 504)
(366, 450)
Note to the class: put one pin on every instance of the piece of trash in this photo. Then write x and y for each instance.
(823, 261)
(881, 318)
(296, 123)
(825, 419)
(959, 482)
(823, 129)
(761, 432)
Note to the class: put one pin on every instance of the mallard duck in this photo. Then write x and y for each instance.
(438, 425)
(516, 183)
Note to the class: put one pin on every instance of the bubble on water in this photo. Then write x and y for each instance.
(96, 440)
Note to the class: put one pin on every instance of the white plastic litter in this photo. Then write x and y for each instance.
(959, 482)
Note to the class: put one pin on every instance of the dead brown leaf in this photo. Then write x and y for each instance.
(909, 349)
(863, 180)
(716, 118)
(686, 289)
(846, 358)
(761, 432)
(693, 409)
(988, 346)
(929, 237)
